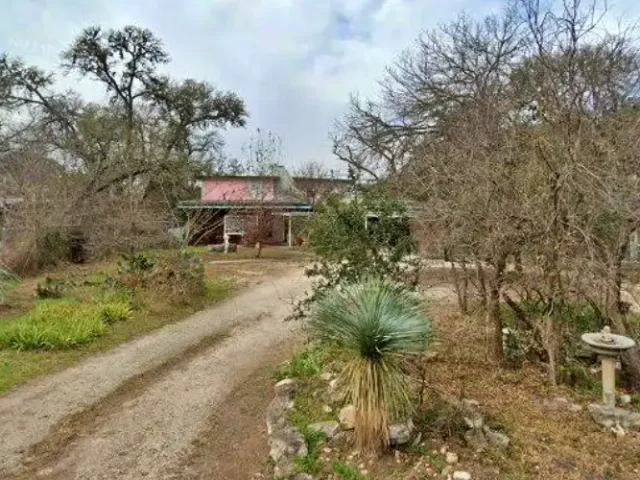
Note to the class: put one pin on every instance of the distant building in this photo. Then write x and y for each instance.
(228, 203)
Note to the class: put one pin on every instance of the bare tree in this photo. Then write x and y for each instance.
(518, 134)
(313, 169)
(133, 156)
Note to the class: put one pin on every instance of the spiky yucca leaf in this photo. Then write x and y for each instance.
(373, 321)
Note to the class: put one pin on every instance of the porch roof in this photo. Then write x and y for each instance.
(244, 205)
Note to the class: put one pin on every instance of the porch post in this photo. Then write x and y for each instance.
(225, 235)
(289, 239)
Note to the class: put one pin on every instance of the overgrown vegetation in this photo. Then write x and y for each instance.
(514, 134)
(117, 311)
(310, 463)
(54, 321)
(303, 363)
(49, 288)
(87, 179)
(6, 279)
(69, 322)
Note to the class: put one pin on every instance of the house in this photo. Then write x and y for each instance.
(233, 204)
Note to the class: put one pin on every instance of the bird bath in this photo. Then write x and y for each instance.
(608, 346)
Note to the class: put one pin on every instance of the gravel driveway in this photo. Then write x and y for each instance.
(134, 412)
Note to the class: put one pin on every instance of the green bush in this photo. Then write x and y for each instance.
(53, 324)
(50, 288)
(115, 312)
(338, 228)
(52, 247)
(570, 320)
(136, 263)
(343, 240)
(179, 276)
(578, 317)
(513, 352)
(350, 246)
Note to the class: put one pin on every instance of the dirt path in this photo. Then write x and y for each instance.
(234, 445)
(136, 412)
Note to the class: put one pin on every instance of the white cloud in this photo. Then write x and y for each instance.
(293, 61)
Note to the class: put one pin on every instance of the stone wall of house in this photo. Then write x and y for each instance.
(237, 223)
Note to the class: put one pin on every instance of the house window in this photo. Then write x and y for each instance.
(256, 190)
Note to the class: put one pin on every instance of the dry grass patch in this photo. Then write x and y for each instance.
(547, 443)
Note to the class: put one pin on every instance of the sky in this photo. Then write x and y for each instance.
(294, 62)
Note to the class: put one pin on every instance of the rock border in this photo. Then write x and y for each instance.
(285, 440)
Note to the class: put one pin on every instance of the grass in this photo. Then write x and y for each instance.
(310, 463)
(304, 363)
(17, 367)
(247, 253)
(57, 324)
(307, 408)
(347, 472)
(219, 290)
(117, 311)
(306, 366)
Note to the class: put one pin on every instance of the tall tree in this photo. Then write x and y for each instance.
(146, 145)
(125, 61)
(516, 133)
(263, 153)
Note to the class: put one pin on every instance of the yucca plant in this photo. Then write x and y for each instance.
(373, 322)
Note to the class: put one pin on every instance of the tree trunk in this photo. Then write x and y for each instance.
(551, 346)
(616, 278)
(518, 261)
(482, 285)
(495, 286)
(631, 358)
(552, 369)
(461, 282)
